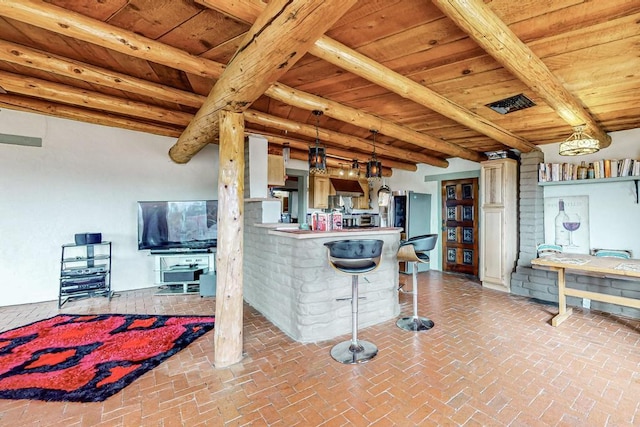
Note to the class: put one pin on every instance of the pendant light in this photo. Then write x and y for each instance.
(354, 172)
(579, 143)
(317, 154)
(374, 167)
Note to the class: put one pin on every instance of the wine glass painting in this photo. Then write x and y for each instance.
(566, 223)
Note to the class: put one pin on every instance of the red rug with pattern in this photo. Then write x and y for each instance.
(87, 358)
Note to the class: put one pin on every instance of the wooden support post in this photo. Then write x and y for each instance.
(229, 257)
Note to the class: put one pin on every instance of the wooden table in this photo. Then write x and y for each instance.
(615, 268)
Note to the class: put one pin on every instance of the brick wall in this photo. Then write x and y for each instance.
(291, 283)
(539, 284)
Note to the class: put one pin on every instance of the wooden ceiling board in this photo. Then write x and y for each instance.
(590, 46)
(100, 10)
(154, 18)
(204, 32)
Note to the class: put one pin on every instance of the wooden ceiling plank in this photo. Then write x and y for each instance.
(13, 53)
(477, 19)
(32, 105)
(80, 27)
(55, 92)
(84, 28)
(259, 118)
(277, 39)
(351, 115)
(32, 58)
(354, 62)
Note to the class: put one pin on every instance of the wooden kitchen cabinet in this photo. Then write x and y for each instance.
(319, 190)
(498, 223)
(362, 202)
(275, 170)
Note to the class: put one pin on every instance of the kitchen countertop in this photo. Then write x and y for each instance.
(297, 233)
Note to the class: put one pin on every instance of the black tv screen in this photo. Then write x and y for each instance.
(177, 225)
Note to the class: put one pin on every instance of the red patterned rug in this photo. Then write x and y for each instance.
(87, 358)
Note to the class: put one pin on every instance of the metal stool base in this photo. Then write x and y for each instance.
(346, 353)
(415, 324)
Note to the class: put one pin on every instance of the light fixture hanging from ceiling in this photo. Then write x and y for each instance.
(317, 154)
(579, 143)
(374, 167)
(354, 172)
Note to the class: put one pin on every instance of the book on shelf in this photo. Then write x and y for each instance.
(604, 168)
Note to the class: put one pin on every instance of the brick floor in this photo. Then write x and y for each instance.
(492, 359)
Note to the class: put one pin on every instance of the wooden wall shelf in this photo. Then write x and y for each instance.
(596, 181)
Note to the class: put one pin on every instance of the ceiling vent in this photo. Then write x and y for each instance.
(511, 104)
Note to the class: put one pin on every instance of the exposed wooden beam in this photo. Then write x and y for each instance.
(333, 151)
(494, 36)
(33, 105)
(267, 120)
(64, 22)
(348, 59)
(65, 94)
(77, 26)
(32, 58)
(358, 64)
(357, 117)
(280, 36)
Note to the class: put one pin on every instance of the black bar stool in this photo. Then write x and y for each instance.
(414, 250)
(354, 257)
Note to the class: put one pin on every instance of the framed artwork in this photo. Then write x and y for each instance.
(566, 223)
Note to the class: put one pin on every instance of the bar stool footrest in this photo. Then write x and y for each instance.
(344, 352)
(415, 324)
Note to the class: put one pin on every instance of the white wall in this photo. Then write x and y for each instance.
(614, 215)
(84, 178)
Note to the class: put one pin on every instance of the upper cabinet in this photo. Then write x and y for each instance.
(319, 190)
(275, 172)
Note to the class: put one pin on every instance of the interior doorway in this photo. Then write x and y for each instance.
(460, 236)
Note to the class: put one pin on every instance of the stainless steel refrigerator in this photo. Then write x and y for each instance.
(412, 212)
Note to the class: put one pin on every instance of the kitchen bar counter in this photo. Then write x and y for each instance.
(287, 277)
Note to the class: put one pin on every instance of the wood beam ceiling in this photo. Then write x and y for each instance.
(78, 26)
(348, 59)
(32, 58)
(483, 26)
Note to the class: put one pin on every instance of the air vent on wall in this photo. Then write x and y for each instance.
(511, 104)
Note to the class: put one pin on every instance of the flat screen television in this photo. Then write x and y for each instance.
(177, 225)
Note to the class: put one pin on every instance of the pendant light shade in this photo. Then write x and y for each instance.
(579, 143)
(374, 167)
(354, 172)
(317, 154)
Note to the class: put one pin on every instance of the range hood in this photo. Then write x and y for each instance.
(347, 187)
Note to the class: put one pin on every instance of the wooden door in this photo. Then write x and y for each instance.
(460, 237)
